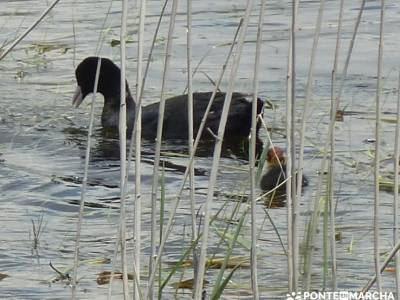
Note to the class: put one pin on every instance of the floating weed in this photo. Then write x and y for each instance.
(350, 246)
(390, 120)
(232, 262)
(20, 74)
(386, 184)
(98, 261)
(44, 47)
(187, 284)
(116, 42)
(63, 275)
(105, 276)
(217, 262)
(3, 276)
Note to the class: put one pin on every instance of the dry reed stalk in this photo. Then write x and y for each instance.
(388, 259)
(252, 154)
(377, 149)
(101, 35)
(136, 140)
(297, 191)
(154, 189)
(396, 189)
(290, 118)
(316, 208)
(138, 135)
(331, 192)
(190, 130)
(139, 101)
(122, 149)
(29, 29)
(84, 183)
(186, 174)
(217, 153)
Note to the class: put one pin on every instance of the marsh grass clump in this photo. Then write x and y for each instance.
(37, 230)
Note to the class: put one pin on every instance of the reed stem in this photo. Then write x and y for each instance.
(290, 142)
(29, 29)
(217, 154)
(186, 174)
(160, 121)
(377, 150)
(190, 130)
(84, 183)
(122, 149)
(316, 207)
(396, 189)
(138, 133)
(252, 155)
(331, 185)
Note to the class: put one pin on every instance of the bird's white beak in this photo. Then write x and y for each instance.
(78, 97)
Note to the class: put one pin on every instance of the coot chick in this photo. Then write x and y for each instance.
(175, 124)
(275, 176)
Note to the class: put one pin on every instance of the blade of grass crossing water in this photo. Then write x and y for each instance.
(219, 284)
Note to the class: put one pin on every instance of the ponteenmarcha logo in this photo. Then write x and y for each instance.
(340, 295)
(294, 296)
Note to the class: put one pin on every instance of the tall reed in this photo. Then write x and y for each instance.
(252, 155)
(396, 189)
(217, 153)
(392, 253)
(186, 174)
(377, 150)
(122, 149)
(138, 131)
(297, 187)
(311, 231)
(290, 141)
(84, 183)
(190, 129)
(154, 189)
(331, 190)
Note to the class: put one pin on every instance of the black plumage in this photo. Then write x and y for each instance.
(175, 125)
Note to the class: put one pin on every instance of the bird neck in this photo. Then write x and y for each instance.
(111, 109)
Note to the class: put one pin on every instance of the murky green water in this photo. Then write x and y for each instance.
(43, 140)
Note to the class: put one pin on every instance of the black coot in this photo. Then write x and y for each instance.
(175, 124)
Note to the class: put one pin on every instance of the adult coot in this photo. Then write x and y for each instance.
(273, 180)
(175, 124)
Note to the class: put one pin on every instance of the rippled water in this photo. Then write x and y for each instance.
(43, 140)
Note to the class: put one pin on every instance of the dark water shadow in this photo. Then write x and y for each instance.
(106, 147)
